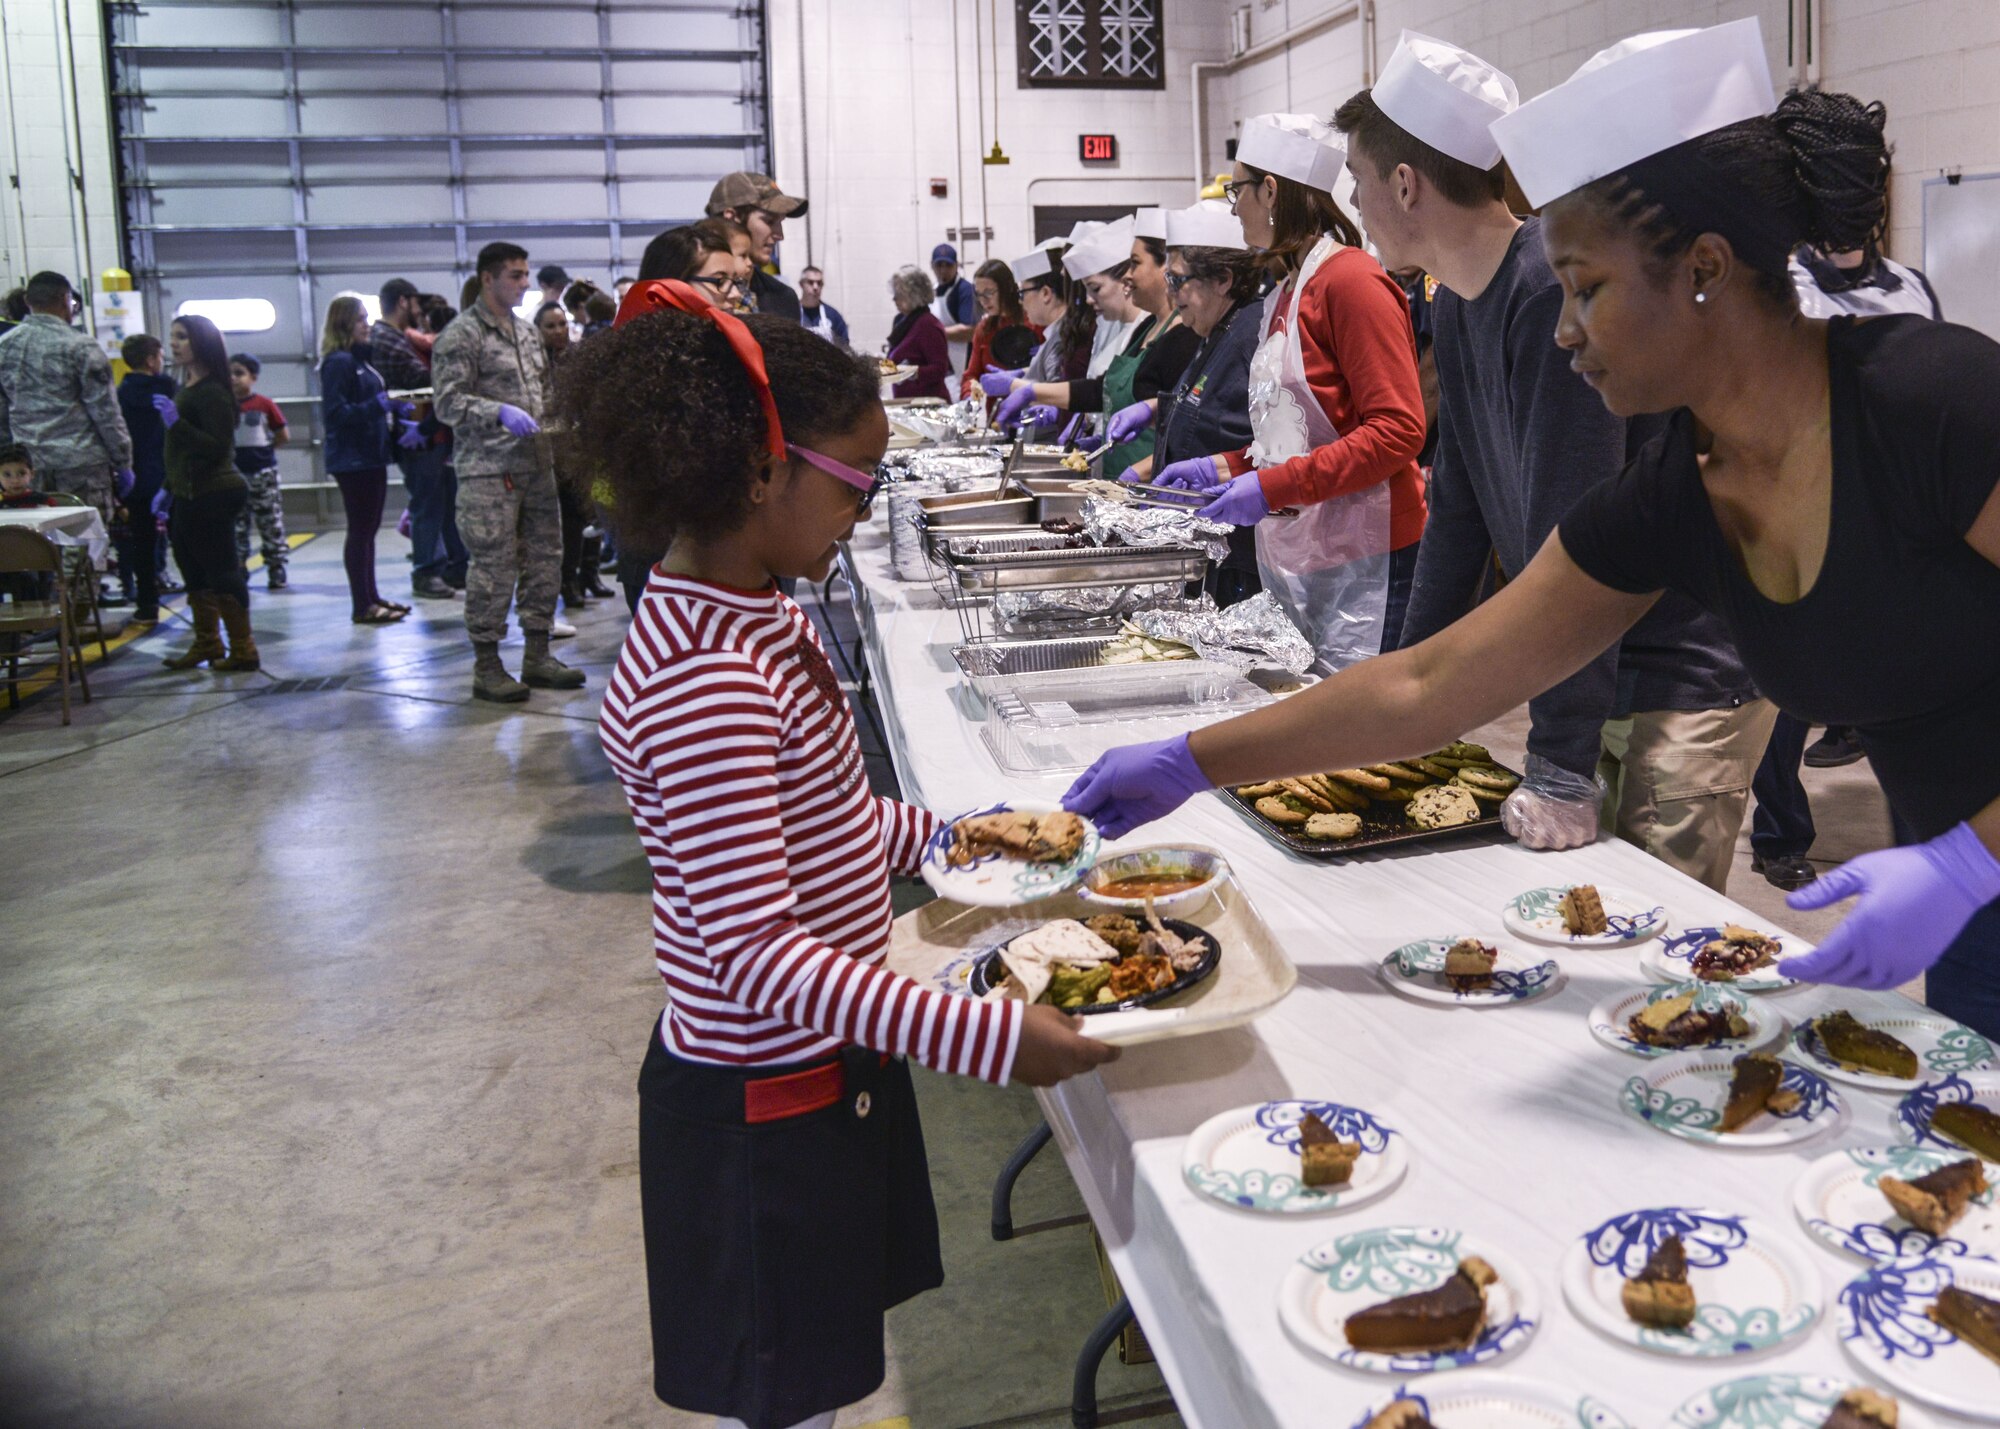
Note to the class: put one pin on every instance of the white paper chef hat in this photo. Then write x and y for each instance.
(1639, 97)
(1446, 96)
(1034, 266)
(1150, 223)
(1296, 146)
(1208, 224)
(1108, 246)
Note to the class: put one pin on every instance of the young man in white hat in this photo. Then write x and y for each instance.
(1520, 438)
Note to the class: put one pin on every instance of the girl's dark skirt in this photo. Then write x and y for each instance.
(773, 1250)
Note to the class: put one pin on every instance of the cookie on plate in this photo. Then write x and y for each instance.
(1442, 806)
(1479, 791)
(1279, 812)
(1333, 826)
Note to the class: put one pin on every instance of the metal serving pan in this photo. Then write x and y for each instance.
(1035, 567)
(995, 665)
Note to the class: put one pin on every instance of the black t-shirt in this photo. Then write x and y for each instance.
(1160, 367)
(1900, 634)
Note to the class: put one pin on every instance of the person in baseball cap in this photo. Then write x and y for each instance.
(756, 202)
(956, 306)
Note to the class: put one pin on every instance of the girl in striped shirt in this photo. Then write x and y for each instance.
(784, 1186)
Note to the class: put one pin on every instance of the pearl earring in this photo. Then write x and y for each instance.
(1701, 297)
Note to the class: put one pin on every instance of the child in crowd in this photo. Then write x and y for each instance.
(783, 1183)
(137, 526)
(260, 431)
(17, 490)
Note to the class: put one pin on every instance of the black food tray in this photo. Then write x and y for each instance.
(987, 972)
(1383, 826)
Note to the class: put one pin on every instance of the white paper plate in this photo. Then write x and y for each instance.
(996, 882)
(1837, 1200)
(1883, 1324)
(1335, 1279)
(1249, 1158)
(1753, 1290)
(1534, 914)
(1942, 1047)
(1611, 1019)
(1775, 1401)
(1671, 960)
(1500, 1401)
(1683, 1095)
(1417, 970)
(1913, 1112)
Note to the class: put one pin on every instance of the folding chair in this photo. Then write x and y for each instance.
(27, 553)
(80, 579)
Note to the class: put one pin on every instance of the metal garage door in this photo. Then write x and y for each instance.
(291, 150)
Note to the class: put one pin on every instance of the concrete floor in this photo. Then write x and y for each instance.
(323, 1015)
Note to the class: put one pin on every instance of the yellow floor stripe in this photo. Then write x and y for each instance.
(901, 1421)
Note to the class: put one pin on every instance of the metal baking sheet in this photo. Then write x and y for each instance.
(1040, 569)
(1383, 826)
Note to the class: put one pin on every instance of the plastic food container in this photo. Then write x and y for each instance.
(1059, 722)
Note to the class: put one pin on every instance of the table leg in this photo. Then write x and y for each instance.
(1083, 1394)
(1003, 1188)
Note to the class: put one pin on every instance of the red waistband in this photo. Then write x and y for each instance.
(795, 1094)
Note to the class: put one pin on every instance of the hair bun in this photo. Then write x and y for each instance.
(1840, 162)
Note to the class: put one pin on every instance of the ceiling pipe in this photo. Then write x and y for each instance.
(1275, 45)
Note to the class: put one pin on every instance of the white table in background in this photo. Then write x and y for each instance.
(65, 525)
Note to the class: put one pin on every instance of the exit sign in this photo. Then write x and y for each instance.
(1097, 148)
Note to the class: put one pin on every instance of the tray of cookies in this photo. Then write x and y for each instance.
(1452, 793)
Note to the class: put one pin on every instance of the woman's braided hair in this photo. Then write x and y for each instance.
(1818, 168)
(662, 410)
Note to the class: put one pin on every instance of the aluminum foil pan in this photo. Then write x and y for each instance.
(959, 468)
(1254, 635)
(946, 424)
(1024, 612)
(1112, 523)
(906, 532)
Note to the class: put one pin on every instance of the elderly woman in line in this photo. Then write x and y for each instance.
(917, 338)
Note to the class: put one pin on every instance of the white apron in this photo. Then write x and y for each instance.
(956, 353)
(1328, 566)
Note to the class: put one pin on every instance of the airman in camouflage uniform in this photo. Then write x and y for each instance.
(508, 514)
(56, 399)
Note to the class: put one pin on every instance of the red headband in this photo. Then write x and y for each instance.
(657, 294)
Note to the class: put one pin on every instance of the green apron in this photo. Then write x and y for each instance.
(1118, 378)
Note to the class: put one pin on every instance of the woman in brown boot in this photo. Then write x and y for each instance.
(208, 492)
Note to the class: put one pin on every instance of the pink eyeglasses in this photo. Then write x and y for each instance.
(867, 485)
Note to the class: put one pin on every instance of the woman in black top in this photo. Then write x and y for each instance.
(1829, 489)
(208, 494)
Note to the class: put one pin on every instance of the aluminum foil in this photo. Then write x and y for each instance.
(1253, 635)
(1021, 612)
(1114, 523)
(906, 536)
(945, 424)
(958, 467)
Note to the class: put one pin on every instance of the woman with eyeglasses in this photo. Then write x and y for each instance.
(917, 336)
(1335, 401)
(1003, 324)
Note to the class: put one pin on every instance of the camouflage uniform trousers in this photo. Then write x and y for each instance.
(92, 483)
(267, 508)
(512, 529)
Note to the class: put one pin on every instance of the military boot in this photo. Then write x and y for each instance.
(542, 670)
(490, 680)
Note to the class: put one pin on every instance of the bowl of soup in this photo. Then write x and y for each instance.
(1174, 876)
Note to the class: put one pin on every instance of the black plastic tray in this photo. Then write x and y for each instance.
(982, 980)
(1383, 826)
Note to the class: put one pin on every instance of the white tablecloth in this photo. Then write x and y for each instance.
(1511, 1115)
(65, 525)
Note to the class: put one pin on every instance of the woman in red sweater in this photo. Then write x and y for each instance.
(999, 299)
(1335, 405)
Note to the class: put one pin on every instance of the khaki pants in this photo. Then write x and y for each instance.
(1679, 782)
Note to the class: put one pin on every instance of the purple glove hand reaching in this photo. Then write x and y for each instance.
(1136, 784)
(1069, 429)
(388, 403)
(517, 422)
(122, 482)
(1914, 901)
(999, 382)
(1040, 415)
(1197, 473)
(169, 413)
(1089, 443)
(1009, 414)
(411, 436)
(1127, 422)
(162, 502)
(1240, 503)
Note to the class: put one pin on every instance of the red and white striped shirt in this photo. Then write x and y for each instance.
(770, 856)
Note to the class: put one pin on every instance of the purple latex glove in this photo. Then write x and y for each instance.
(388, 402)
(1009, 414)
(1040, 415)
(1069, 429)
(1914, 901)
(411, 437)
(1136, 784)
(999, 382)
(1197, 473)
(517, 422)
(1089, 443)
(122, 482)
(403, 524)
(169, 413)
(162, 503)
(1240, 503)
(1127, 422)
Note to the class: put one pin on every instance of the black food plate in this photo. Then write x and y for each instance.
(1383, 826)
(987, 972)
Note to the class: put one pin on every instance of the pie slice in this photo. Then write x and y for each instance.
(1755, 1086)
(1973, 1318)
(1659, 1295)
(1468, 964)
(1936, 1201)
(1431, 1321)
(1583, 911)
(1861, 1048)
(1675, 1022)
(1325, 1159)
(1971, 1126)
(1738, 951)
(1862, 1409)
(1403, 1414)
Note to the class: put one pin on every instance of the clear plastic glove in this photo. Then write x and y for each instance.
(1009, 415)
(999, 382)
(1240, 503)
(411, 437)
(1914, 901)
(517, 422)
(1127, 422)
(122, 482)
(169, 413)
(1197, 473)
(1554, 807)
(1136, 784)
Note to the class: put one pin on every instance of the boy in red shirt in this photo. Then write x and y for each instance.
(260, 431)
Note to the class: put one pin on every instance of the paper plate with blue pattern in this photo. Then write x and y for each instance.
(1885, 1325)
(1611, 1019)
(1683, 1095)
(1942, 1047)
(1501, 1401)
(1537, 916)
(1248, 1158)
(1775, 1401)
(1915, 1110)
(996, 880)
(1839, 1199)
(1416, 970)
(1753, 1289)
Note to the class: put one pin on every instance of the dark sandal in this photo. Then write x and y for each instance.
(378, 615)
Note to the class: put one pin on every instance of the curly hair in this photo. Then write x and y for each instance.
(1817, 170)
(663, 411)
(913, 285)
(1239, 270)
